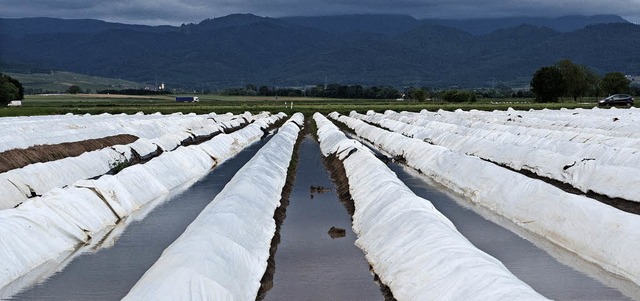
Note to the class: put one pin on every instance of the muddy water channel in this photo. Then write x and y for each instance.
(109, 273)
(310, 264)
(526, 260)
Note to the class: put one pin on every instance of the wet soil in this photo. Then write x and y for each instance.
(618, 203)
(266, 283)
(17, 158)
(526, 260)
(109, 273)
(550, 270)
(310, 264)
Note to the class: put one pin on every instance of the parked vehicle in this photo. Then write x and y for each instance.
(187, 99)
(617, 99)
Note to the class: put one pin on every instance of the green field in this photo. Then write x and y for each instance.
(61, 81)
(96, 104)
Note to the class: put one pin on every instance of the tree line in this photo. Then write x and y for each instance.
(566, 79)
(134, 92)
(10, 89)
(379, 92)
(322, 91)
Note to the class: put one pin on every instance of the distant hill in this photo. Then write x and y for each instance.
(561, 24)
(59, 81)
(360, 49)
(397, 24)
(30, 26)
(382, 24)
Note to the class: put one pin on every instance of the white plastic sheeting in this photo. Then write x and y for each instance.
(594, 231)
(36, 179)
(223, 253)
(593, 121)
(135, 186)
(608, 151)
(41, 177)
(23, 132)
(39, 230)
(512, 121)
(414, 249)
(611, 123)
(42, 228)
(585, 174)
(10, 194)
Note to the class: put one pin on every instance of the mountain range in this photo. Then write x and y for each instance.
(293, 51)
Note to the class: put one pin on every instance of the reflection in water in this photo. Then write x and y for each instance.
(551, 271)
(319, 189)
(313, 190)
(310, 265)
(107, 271)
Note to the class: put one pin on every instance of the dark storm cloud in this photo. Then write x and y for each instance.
(185, 11)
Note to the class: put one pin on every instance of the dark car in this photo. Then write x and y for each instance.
(617, 100)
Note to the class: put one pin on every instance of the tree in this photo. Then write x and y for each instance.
(263, 90)
(74, 89)
(388, 92)
(10, 89)
(18, 85)
(614, 83)
(575, 78)
(593, 81)
(355, 91)
(418, 94)
(547, 83)
(458, 96)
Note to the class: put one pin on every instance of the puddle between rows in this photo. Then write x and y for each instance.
(109, 273)
(529, 259)
(314, 262)
(550, 270)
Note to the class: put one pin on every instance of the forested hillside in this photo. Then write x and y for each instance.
(362, 49)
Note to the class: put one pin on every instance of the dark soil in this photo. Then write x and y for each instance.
(17, 158)
(279, 215)
(336, 232)
(319, 189)
(618, 203)
(339, 178)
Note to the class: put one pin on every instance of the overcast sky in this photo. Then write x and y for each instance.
(176, 12)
